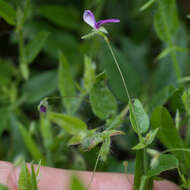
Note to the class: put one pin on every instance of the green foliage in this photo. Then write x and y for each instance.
(89, 74)
(166, 20)
(39, 86)
(138, 117)
(2, 187)
(27, 180)
(76, 184)
(186, 101)
(162, 97)
(103, 103)
(164, 162)
(71, 124)
(7, 12)
(65, 78)
(42, 61)
(31, 145)
(161, 119)
(147, 5)
(35, 46)
(63, 16)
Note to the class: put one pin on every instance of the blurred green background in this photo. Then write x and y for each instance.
(59, 27)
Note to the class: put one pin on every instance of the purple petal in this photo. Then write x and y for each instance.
(89, 18)
(43, 108)
(99, 23)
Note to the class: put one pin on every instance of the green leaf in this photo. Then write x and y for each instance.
(64, 16)
(138, 117)
(40, 86)
(34, 47)
(4, 118)
(46, 132)
(89, 73)
(24, 181)
(167, 133)
(165, 162)
(66, 84)
(105, 148)
(166, 20)
(71, 124)
(168, 50)
(147, 5)
(104, 104)
(2, 187)
(186, 100)
(76, 184)
(148, 139)
(162, 97)
(91, 141)
(33, 178)
(30, 144)
(89, 35)
(7, 12)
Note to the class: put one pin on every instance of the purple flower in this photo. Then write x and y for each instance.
(43, 108)
(89, 18)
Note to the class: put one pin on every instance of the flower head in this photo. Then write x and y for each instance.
(89, 18)
(43, 109)
(43, 106)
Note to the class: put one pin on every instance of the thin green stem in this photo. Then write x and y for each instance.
(93, 173)
(139, 168)
(140, 154)
(124, 83)
(22, 57)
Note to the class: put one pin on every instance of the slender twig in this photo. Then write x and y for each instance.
(124, 84)
(93, 173)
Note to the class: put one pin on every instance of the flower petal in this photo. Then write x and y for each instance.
(89, 18)
(99, 23)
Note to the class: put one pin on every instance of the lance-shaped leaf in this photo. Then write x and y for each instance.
(102, 100)
(166, 20)
(91, 141)
(71, 124)
(30, 144)
(165, 162)
(34, 47)
(168, 133)
(138, 117)
(76, 184)
(105, 148)
(147, 140)
(66, 84)
(89, 73)
(7, 12)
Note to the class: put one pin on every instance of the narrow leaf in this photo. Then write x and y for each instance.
(165, 162)
(7, 12)
(162, 97)
(89, 73)
(103, 103)
(76, 184)
(166, 20)
(34, 47)
(138, 117)
(24, 182)
(71, 124)
(147, 5)
(105, 148)
(168, 50)
(30, 144)
(161, 119)
(66, 84)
